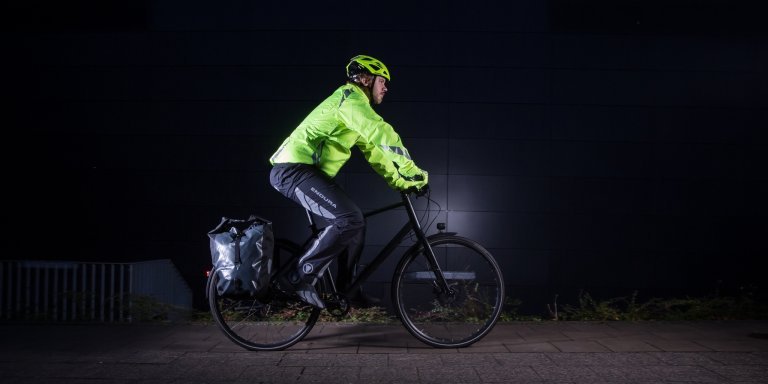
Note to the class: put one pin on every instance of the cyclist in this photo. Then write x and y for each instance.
(305, 164)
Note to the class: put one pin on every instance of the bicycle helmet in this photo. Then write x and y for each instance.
(366, 64)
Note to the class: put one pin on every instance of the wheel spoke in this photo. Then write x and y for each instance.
(273, 322)
(461, 316)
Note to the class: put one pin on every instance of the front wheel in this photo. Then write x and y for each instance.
(464, 314)
(273, 322)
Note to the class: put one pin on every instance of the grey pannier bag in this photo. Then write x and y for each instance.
(241, 251)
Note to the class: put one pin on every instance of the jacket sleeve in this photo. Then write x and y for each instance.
(381, 145)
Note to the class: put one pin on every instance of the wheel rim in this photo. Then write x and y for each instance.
(443, 320)
(273, 322)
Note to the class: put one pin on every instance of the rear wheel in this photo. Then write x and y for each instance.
(274, 322)
(456, 318)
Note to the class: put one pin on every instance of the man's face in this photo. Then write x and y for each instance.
(379, 89)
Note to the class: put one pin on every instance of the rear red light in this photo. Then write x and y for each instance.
(207, 273)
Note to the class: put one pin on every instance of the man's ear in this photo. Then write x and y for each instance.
(366, 79)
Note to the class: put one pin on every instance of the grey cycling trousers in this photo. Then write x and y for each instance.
(345, 233)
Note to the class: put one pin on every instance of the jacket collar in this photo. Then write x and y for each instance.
(359, 88)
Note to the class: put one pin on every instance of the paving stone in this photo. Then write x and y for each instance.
(677, 345)
(360, 360)
(459, 359)
(493, 348)
(532, 347)
(685, 358)
(414, 360)
(687, 373)
(743, 372)
(375, 375)
(151, 357)
(533, 336)
(260, 374)
(576, 359)
(517, 359)
(425, 349)
(627, 345)
(340, 375)
(557, 373)
(307, 360)
(627, 373)
(327, 347)
(442, 375)
(585, 335)
(563, 352)
(739, 358)
(579, 346)
(225, 346)
(733, 345)
(520, 374)
(381, 349)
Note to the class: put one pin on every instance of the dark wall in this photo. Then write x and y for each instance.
(606, 146)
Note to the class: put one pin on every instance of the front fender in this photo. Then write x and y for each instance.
(417, 247)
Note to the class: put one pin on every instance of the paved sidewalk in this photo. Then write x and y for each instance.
(521, 352)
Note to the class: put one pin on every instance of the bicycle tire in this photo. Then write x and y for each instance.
(442, 320)
(274, 322)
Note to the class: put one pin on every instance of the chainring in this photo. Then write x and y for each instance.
(337, 305)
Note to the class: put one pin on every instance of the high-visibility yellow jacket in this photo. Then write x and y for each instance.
(343, 120)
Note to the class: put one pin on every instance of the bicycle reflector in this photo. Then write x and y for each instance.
(449, 275)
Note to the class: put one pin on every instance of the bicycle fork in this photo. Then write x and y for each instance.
(440, 283)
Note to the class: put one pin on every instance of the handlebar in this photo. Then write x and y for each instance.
(416, 191)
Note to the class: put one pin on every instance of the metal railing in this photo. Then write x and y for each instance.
(100, 292)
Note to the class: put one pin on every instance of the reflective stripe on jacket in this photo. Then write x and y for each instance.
(343, 120)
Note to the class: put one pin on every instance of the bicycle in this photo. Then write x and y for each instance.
(447, 290)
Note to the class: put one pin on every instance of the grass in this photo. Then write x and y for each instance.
(743, 306)
(377, 315)
(715, 307)
(148, 309)
(589, 308)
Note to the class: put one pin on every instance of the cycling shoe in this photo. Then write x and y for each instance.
(303, 287)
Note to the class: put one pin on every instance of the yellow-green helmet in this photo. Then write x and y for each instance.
(367, 64)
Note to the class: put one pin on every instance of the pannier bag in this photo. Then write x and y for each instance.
(241, 251)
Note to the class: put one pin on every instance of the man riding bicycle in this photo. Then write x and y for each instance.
(306, 163)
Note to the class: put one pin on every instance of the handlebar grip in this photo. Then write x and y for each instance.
(417, 191)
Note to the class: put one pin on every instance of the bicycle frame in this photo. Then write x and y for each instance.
(411, 225)
(433, 312)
